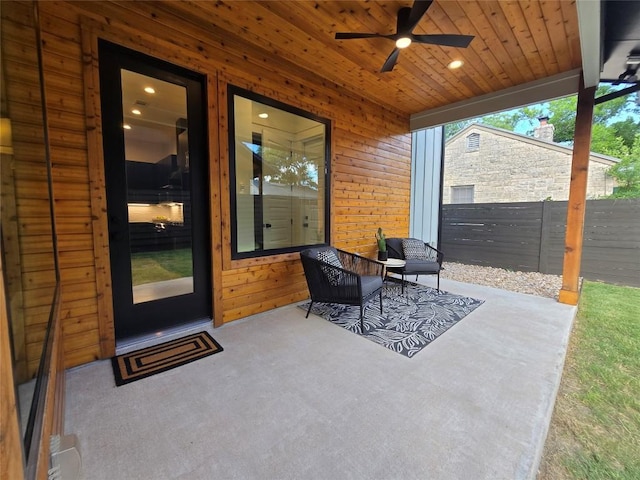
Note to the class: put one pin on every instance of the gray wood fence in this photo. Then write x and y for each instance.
(529, 236)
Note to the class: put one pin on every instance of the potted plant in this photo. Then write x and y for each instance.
(382, 245)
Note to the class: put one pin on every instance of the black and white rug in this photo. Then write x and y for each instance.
(409, 321)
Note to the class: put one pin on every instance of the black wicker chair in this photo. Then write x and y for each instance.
(350, 280)
(426, 260)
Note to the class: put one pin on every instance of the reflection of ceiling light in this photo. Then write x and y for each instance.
(263, 115)
(403, 42)
(455, 64)
(135, 111)
(126, 126)
(150, 90)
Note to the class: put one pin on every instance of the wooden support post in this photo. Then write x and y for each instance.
(577, 196)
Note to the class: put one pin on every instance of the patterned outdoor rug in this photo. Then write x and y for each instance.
(143, 363)
(410, 321)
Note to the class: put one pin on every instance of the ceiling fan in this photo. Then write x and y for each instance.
(408, 18)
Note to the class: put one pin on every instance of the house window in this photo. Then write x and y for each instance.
(473, 142)
(462, 194)
(279, 166)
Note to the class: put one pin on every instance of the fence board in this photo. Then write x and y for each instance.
(530, 237)
(505, 235)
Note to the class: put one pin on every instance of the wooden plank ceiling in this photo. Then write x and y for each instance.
(515, 42)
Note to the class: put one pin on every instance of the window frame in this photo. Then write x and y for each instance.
(457, 189)
(232, 92)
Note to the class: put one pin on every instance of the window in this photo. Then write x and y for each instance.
(473, 142)
(462, 194)
(279, 168)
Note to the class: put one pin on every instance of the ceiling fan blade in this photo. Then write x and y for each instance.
(418, 10)
(349, 36)
(391, 60)
(461, 41)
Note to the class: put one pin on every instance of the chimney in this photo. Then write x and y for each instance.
(545, 130)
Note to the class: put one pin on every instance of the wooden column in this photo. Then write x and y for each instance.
(577, 196)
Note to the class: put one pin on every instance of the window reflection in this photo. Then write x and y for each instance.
(279, 189)
(158, 187)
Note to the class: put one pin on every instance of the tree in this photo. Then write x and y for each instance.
(605, 141)
(627, 129)
(562, 112)
(627, 173)
(288, 167)
(513, 118)
(450, 129)
(610, 137)
(508, 120)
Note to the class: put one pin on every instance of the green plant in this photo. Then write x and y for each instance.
(381, 239)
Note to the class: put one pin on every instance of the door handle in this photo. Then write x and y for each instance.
(267, 225)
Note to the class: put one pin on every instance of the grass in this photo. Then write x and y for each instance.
(595, 430)
(149, 267)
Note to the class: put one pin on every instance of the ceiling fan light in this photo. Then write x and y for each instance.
(455, 64)
(403, 42)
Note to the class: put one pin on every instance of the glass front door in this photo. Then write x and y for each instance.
(156, 192)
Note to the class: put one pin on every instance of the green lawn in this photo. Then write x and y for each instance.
(595, 431)
(148, 267)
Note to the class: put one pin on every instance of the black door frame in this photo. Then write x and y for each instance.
(172, 311)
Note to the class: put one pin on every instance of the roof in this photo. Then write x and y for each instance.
(606, 159)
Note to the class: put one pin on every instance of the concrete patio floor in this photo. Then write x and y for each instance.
(294, 398)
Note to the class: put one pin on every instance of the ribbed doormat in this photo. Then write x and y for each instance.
(143, 363)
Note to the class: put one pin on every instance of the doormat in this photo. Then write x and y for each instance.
(143, 363)
(411, 320)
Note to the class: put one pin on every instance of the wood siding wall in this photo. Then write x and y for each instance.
(370, 164)
(26, 217)
(530, 237)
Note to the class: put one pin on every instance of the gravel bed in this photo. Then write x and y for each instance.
(534, 283)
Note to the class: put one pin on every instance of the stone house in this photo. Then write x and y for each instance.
(484, 164)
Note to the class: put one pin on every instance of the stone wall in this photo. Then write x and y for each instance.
(509, 167)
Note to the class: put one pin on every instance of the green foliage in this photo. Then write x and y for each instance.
(562, 114)
(381, 240)
(627, 173)
(450, 129)
(605, 141)
(618, 139)
(288, 167)
(603, 410)
(627, 130)
(504, 120)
